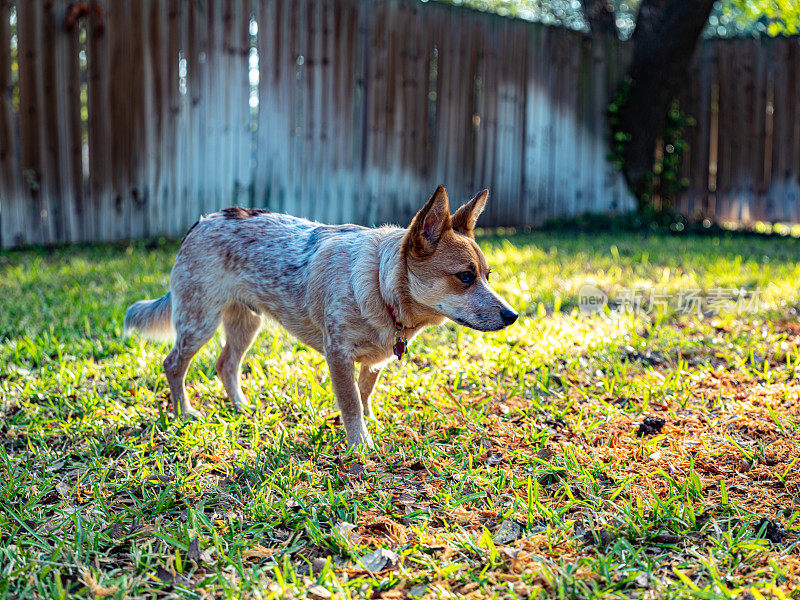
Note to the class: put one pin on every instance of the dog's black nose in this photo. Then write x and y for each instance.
(508, 316)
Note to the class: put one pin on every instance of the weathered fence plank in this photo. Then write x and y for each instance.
(99, 218)
(793, 105)
(12, 221)
(31, 102)
(51, 109)
(70, 125)
(741, 163)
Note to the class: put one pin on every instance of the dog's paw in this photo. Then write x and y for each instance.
(192, 414)
(360, 442)
(243, 408)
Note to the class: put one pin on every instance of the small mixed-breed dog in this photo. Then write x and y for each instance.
(353, 293)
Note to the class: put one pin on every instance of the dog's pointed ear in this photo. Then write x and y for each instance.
(430, 223)
(465, 217)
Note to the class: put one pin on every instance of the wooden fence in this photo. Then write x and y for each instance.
(361, 107)
(131, 119)
(743, 162)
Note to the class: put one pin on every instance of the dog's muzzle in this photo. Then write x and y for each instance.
(508, 316)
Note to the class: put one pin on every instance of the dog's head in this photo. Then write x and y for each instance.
(447, 272)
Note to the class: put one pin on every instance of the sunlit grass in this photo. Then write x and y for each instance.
(508, 464)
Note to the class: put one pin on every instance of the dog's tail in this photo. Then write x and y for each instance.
(152, 318)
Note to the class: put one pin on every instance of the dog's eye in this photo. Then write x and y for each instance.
(466, 276)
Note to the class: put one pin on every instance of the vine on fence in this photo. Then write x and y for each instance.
(619, 139)
(665, 180)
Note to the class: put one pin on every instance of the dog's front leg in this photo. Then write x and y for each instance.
(367, 377)
(348, 398)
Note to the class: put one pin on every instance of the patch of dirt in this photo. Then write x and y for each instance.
(650, 426)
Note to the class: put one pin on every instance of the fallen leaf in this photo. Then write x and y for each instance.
(404, 497)
(63, 489)
(165, 575)
(512, 553)
(493, 458)
(380, 559)
(317, 565)
(345, 529)
(258, 551)
(56, 466)
(319, 591)
(508, 531)
(193, 553)
(91, 583)
(537, 527)
(600, 538)
(116, 531)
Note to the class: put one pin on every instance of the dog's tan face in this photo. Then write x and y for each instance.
(447, 272)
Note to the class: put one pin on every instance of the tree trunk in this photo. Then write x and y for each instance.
(664, 40)
(600, 15)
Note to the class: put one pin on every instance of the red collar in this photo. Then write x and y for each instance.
(400, 341)
(391, 312)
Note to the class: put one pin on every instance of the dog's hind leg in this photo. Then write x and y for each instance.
(193, 331)
(241, 325)
(367, 378)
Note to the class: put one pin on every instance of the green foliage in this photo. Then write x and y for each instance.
(729, 18)
(773, 17)
(666, 182)
(619, 139)
(564, 13)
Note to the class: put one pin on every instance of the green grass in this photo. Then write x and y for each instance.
(508, 464)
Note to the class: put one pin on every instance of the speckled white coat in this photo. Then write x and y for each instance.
(331, 286)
